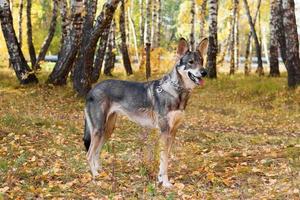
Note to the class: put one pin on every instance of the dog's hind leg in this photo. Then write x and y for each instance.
(109, 127)
(96, 116)
(96, 140)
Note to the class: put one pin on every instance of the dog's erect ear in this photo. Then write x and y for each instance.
(182, 48)
(202, 47)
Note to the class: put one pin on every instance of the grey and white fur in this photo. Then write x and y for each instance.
(156, 104)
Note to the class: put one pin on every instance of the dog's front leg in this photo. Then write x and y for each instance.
(164, 159)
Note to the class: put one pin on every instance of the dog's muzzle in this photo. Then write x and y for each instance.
(203, 72)
(196, 79)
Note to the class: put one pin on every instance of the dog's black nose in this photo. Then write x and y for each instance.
(203, 72)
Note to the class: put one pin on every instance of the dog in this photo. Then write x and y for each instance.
(156, 104)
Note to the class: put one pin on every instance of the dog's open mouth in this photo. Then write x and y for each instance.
(197, 80)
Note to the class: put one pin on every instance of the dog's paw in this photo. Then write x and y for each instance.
(95, 174)
(160, 178)
(167, 184)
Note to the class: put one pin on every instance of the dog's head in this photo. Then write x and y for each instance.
(190, 63)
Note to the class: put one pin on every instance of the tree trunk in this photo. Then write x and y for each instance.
(20, 19)
(154, 24)
(29, 35)
(100, 55)
(133, 36)
(70, 46)
(148, 41)
(84, 65)
(158, 23)
(192, 34)
(20, 66)
(49, 37)
(257, 44)
(237, 36)
(232, 38)
(82, 70)
(292, 63)
(110, 56)
(278, 23)
(123, 47)
(226, 48)
(213, 38)
(202, 19)
(142, 22)
(248, 43)
(64, 21)
(274, 64)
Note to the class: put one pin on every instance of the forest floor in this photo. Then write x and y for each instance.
(240, 140)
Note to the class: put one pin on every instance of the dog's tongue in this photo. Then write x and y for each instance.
(201, 82)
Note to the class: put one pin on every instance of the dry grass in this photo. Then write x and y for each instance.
(240, 140)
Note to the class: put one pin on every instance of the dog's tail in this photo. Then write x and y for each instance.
(88, 127)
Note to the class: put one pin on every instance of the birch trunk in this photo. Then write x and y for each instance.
(82, 72)
(158, 23)
(232, 38)
(213, 38)
(19, 64)
(153, 24)
(292, 63)
(248, 43)
(123, 47)
(69, 49)
(237, 36)
(142, 22)
(64, 21)
(257, 44)
(50, 35)
(147, 40)
(133, 36)
(192, 34)
(82, 75)
(202, 19)
(97, 67)
(20, 20)
(29, 35)
(110, 56)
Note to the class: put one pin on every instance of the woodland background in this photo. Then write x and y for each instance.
(240, 139)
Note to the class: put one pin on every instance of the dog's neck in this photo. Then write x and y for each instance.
(173, 83)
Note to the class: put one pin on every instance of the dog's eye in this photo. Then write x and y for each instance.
(191, 62)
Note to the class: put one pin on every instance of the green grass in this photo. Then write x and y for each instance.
(240, 140)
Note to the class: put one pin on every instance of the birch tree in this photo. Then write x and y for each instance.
(29, 34)
(273, 49)
(233, 37)
(20, 20)
(123, 47)
(292, 63)
(148, 38)
(257, 44)
(20, 66)
(202, 19)
(49, 37)
(82, 75)
(213, 38)
(70, 45)
(192, 34)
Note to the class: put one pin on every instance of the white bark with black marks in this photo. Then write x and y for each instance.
(292, 43)
(260, 69)
(48, 39)
(29, 34)
(212, 38)
(192, 34)
(20, 66)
